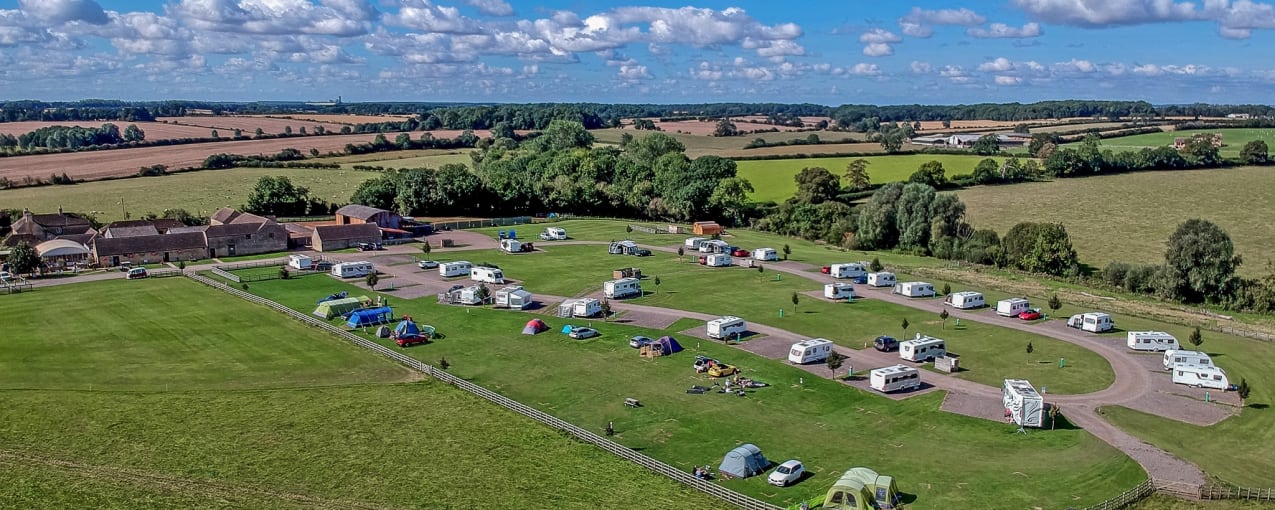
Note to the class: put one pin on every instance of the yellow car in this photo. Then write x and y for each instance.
(721, 370)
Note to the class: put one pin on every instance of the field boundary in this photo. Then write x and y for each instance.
(659, 467)
(1184, 491)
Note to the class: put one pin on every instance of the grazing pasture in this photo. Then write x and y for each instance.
(733, 146)
(1233, 139)
(773, 179)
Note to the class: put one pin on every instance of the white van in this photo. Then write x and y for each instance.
(851, 271)
(765, 254)
(458, 268)
(1093, 322)
(693, 243)
(838, 291)
(487, 274)
(1198, 376)
(965, 300)
(352, 269)
(726, 327)
(1174, 357)
(300, 262)
(810, 351)
(922, 349)
(1012, 307)
(1152, 341)
(914, 289)
(622, 288)
(882, 279)
(895, 378)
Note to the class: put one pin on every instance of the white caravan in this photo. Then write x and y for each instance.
(1198, 376)
(726, 327)
(511, 245)
(1188, 357)
(487, 275)
(965, 300)
(882, 279)
(458, 268)
(1024, 404)
(584, 307)
(895, 378)
(471, 295)
(1152, 341)
(914, 289)
(352, 269)
(1093, 322)
(514, 297)
(622, 288)
(1012, 307)
(851, 271)
(554, 234)
(922, 349)
(301, 262)
(810, 351)
(693, 243)
(717, 260)
(765, 254)
(714, 246)
(838, 291)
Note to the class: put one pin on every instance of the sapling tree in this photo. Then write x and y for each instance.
(943, 315)
(1053, 416)
(787, 251)
(947, 289)
(1054, 303)
(795, 300)
(1030, 349)
(371, 280)
(876, 266)
(1195, 337)
(425, 248)
(905, 325)
(1242, 390)
(657, 284)
(834, 361)
(606, 309)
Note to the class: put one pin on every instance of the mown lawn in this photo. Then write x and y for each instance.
(773, 179)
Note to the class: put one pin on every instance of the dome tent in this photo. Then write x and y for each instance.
(534, 327)
(743, 462)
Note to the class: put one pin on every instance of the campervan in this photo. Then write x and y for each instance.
(914, 289)
(810, 351)
(882, 279)
(838, 291)
(1026, 407)
(1152, 341)
(1093, 322)
(765, 254)
(693, 243)
(849, 271)
(622, 288)
(487, 275)
(895, 378)
(1174, 357)
(352, 269)
(458, 268)
(1199, 376)
(1012, 307)
(922, 348)
(965, 300)
(726, 327)
(554, 234)
(300, 262)
(717, 260)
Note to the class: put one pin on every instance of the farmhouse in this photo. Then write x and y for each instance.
(355, 214)
(36, 228)
(233, 233)
(338, 237)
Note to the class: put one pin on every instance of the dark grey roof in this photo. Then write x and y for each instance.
(225, 215)
(140, 230)
(148, 244)
(344, 232)
(232, 230)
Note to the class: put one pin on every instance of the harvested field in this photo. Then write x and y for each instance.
(249, 125)
(153, 130)
(335, 118)
(126, 162)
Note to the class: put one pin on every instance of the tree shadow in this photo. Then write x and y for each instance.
(1257, 406)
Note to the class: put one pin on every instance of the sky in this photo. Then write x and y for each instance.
(691, 51)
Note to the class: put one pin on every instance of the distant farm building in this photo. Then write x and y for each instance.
(338, 237)
(355, 214)
(1179, 143)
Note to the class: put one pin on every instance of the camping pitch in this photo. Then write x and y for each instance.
(335, 307)
(862, 489)
(535, 327)
(743, 462)
(408, 332)
(369, 317)
(665, 346)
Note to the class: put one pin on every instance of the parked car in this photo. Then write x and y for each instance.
(583, 333)
(428, 264)
(455, 288)
(370, 246)
(740, 252)
(323, 266)
(721, 370)
(642, 252)
(638, 341)
(1030, 315)
(885, 343)
(787, 473)
(702, 362)
(5, 275)
(136, 273)
(826, 270)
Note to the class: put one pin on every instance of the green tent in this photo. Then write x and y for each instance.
(862, 489)
(335, 307)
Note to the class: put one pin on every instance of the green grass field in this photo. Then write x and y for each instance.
(427, 158)
(700, 145)
(1232, 139)
(773, 179)
(1116, 222)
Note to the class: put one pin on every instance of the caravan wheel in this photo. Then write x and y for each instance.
(1196, 386)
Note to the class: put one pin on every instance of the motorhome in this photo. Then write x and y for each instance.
(765, 254)
(965, 300)
(810, 351)
(922, 348)
(895, 378)
(300, 262)
(622, 288)
(882, 279)
(838, 291)
(726, 327)
(352, 269)
(1025, 405)
(1093, 322)
(849, 271)
(487, 275)
(1152, 341)
(451, 269)
(1174, 357)
(554, 234)
(1012, 307)
(1200, 376)
(693, 243)
(717, 260)
(914, 289)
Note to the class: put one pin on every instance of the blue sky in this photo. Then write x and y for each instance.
(850, 51)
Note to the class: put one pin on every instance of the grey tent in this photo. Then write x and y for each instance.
(743, 462)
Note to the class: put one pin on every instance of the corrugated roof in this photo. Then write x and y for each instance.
(361, 212)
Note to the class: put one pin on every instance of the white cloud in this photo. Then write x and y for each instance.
(63, 11)
(1008, 80)
(920, 67)
(955, 74)
(1000, 65)
(706, 72)
(343, 18)
(427, 17)
(862, 69)
(492, 7)
(877, 42)
(918, 22)
(1003, 31)
(1074, 66)
(633, 73)
(1236, 19)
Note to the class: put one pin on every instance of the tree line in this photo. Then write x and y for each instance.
(72, 137)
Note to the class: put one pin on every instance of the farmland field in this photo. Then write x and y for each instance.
(427, 158)
(336, 118)
(728, 146)
(1129, 217)
(773, 179)
(1232, 139)
(249, 124)
(153, 130)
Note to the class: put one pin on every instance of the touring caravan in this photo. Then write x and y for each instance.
(1188, 357)
(487, 275)
(1025, 405)
(714, 246)
(352, 269)
(838, 291)
(810, 351)
(622, 288)
(1152, 341)
(510, 245)
(300, 262)
(1093, 322)
(693, 243)
(458, 268)
(583, 307)
(472, 295)
(726, 327)
(849, 271)
(765, 254)
(895, 378)
(514, 297)
(914, 289)
(965, 300)
(717, 260)
(554, 234)
(1012, 307)
(922, 348)
(882, 279)
(1198, 376)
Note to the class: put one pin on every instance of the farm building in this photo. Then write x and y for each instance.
(706, 228)
(143, 228)
(247, 234)
(355, 214)
(149, 249)
(62, 253)
(36, 228)
(339, 237)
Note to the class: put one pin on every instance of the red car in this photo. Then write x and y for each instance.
(740, 252)
(825, 269)
(1029, 315)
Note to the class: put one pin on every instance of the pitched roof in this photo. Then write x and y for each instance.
(15, 239)
(232, 230)
(249, 218)
(106, 247)
(59, 220)
(83, 239)
(361, 212)
(298, 229)
(140, 230)
(224, 215)
(166, 224)
(344, 232)
(186, 230)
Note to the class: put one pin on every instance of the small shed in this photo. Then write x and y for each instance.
(706, 228)
(743, 462)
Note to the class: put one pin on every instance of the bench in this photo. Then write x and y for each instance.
(632, 402)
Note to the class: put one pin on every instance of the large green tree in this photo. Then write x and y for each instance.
(276, 195)
(816, 185)
(23, 259)
(730, 199)
(1200, 263)
(913, 215)
(1040, 247)
(857, 174)
(986, 145)
(1255, 152)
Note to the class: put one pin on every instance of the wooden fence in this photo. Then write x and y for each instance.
(679, 475)
(1126, 498)
(1215, 492)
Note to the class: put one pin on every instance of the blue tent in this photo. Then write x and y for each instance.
(334, 297)
(369, 317)
(667, 345)
(567, 329)
(406, 328)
